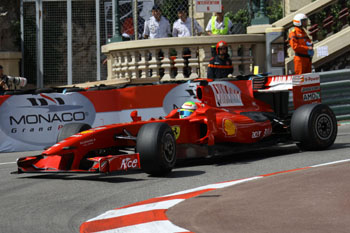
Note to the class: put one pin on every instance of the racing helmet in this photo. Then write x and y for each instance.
(220, 44)
(187, 109)
(298, 18)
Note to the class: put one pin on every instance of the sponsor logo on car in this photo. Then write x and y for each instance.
(176, 131)
(281, 79)
(256, 134)
(312, 88)
(87, 131)
(267, 132)
(129, 163)
(311, 80)
(229, 127)
(88, 142)
(227, 94)
(311, 96)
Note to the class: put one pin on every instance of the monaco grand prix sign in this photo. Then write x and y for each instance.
(35, 119)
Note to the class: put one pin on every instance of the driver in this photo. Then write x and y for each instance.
(187, 109)
(220, 66)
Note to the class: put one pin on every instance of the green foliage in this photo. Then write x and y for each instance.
(242, 16)
(275, 10)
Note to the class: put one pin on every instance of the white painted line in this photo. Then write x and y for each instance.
(151, 227)
(162, 205)
(214, 186)
(330, 163)
(7, 163)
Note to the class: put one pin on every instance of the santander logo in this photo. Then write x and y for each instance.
(226, 94)
(36, 119)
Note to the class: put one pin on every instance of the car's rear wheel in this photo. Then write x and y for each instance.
(157, 147)
(314, 126)
(70, 129)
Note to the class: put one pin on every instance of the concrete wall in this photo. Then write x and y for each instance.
(291, 6)
(10, 62)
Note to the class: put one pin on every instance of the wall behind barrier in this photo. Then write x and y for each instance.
(32, 121)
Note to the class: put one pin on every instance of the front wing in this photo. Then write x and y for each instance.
(59, 163)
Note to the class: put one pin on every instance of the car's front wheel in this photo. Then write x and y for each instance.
(314, 126)
(157, 147)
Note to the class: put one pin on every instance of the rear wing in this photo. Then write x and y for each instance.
(305, 88)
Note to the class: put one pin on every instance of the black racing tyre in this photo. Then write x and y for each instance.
(157, 147)
(71, 129)
(314, 126)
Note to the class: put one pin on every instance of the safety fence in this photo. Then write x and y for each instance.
(335, 86)
(62, 39)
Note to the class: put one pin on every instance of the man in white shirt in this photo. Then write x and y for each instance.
(218, 24)
(157, 26)
(182, 27)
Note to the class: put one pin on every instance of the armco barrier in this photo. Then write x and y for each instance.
(335, 89)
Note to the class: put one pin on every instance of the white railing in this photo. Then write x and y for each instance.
(175, 59)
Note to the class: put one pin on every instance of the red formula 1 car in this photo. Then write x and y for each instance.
(227, 116)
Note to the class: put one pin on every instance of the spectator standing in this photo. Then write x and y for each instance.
(183, 26)
(157, 26)
(220, 66)
(128, 32)
(301, 44)
(219, 24)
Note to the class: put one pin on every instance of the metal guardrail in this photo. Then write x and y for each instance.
(335, 91)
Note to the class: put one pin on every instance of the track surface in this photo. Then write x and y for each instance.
(61, 203)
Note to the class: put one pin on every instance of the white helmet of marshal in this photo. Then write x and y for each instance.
(298, 18)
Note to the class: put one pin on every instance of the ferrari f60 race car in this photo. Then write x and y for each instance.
(227, 116)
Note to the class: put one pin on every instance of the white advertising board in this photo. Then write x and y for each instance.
(208, 5)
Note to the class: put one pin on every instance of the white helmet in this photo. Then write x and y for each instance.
(298, 18)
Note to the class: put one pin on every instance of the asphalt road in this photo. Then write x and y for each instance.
(61, 203)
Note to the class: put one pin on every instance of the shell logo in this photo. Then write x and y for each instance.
(229, 127)
(86, 131)
(176, 130)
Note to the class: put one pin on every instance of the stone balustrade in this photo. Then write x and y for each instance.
(176, 59)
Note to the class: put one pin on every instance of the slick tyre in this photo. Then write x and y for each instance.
(157, 147)
(70, 129)
(314, 126)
